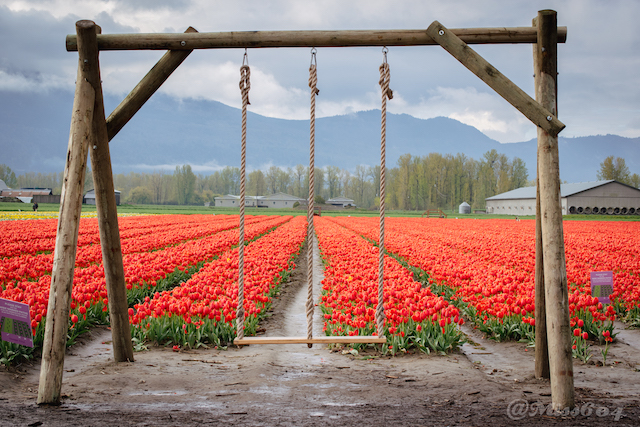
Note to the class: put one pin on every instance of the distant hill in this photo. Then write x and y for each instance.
(206, 134)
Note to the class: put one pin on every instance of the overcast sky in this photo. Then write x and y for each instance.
(599, 66)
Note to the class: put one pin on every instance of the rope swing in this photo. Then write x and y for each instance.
(385, 77)
(310, 339)
(245, 85)
(313, 81)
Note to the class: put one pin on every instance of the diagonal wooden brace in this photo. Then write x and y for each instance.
(535, 112)
(147, 87)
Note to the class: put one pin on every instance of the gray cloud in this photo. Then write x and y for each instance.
(599, 86)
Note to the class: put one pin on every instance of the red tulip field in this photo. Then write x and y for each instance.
(181, 275)
(459, 321)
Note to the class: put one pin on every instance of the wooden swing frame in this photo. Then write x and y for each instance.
(91, 132)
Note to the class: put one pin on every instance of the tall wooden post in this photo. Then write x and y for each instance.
(555, 274)
(108, 214)
(57, 321)
(542, 349)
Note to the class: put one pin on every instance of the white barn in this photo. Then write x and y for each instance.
(340, 201)
(279, 200)
(598, 197)
(231, 201)
(228, 201)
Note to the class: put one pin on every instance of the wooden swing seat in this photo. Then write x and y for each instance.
(356, 339)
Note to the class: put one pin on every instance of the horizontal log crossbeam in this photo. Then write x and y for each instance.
(358, 339)
(266, 39)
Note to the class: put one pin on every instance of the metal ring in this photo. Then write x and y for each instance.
(313, 57)
(245, 58)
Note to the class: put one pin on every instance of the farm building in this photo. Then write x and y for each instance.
(231, 201)
(25, 194)
(277, 200)
(598, 197)
(3, 186)
(228, 201)
(90, 197)
(341, 201)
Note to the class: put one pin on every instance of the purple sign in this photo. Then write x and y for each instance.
(602, 285)
(15, 322)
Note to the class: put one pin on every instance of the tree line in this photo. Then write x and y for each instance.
(415, 183)
(616, 168)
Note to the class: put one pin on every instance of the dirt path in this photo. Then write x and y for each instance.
(294, 385)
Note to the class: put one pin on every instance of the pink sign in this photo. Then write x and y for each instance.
(602, 285)
(15, 322)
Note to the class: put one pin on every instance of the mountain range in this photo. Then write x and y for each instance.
(206, 135)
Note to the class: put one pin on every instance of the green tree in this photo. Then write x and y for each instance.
(283, 179)
(158, 185)
(519, 174)
(256, 183)
(359, 184)
(635, 180)
(614, 169)
(271, 178)
(298, 181)
(333, 181)
(185, 181)
(140, 196)
(8, 176)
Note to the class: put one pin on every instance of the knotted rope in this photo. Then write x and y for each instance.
(385, 77)
(313, 81)
(245, 85)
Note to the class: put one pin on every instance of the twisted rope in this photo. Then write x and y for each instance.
(245, 85)
(385, 77)
(313, 81)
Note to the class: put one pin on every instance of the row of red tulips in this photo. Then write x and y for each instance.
(415, 317)
(39, 235)
(142, 272)
(134, 240)
(488, 267)
(203, 309)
